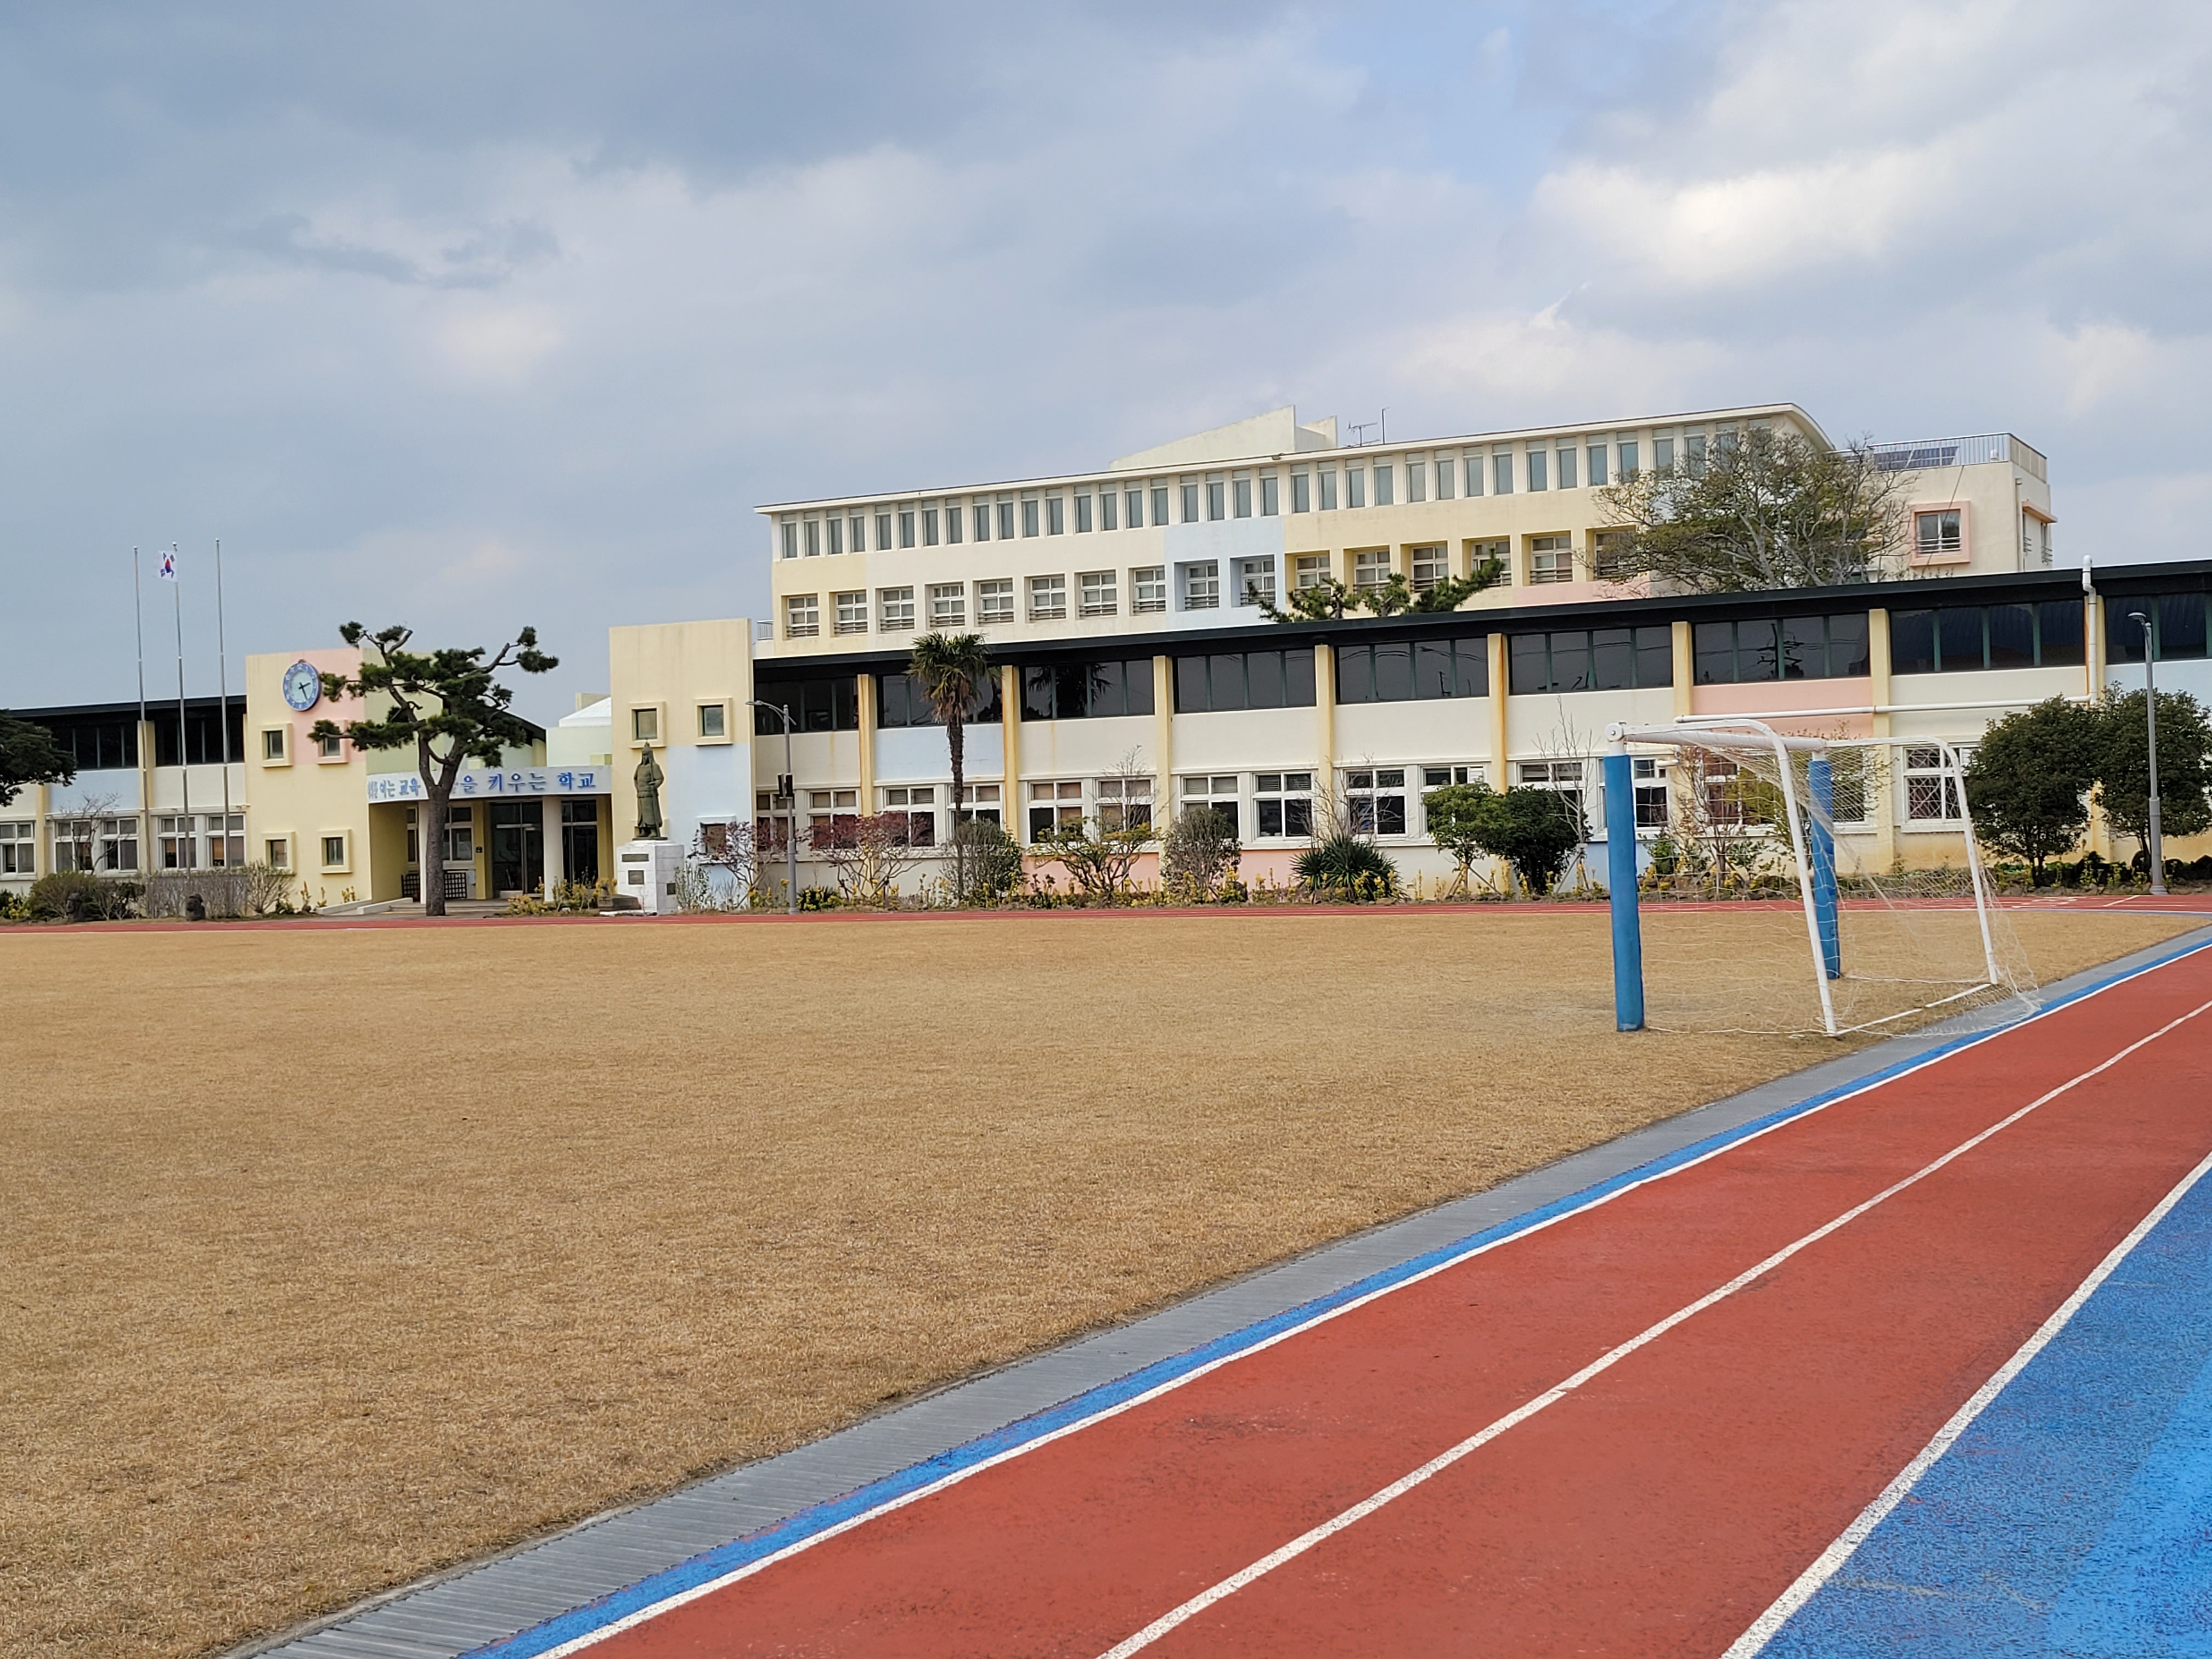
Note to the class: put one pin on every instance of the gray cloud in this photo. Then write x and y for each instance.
(472, 316)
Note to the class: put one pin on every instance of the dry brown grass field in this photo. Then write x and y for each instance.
(332, 1257)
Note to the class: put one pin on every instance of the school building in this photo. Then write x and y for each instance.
(1136, 673)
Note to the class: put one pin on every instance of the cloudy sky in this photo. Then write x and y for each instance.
(476, 316)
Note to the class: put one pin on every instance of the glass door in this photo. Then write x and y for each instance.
(518, 847)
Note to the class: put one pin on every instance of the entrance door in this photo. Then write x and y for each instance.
(579, 838)
(518, 847)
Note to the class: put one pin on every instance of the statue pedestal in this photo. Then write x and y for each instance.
(646, 871)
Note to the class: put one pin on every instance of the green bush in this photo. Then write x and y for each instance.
(991, 860)
(1344, 867)
(1199, 855)
(12, 908)
(1536, 831)
(79, 896)
(819, 899)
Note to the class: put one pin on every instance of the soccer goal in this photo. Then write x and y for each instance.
(1767, 904)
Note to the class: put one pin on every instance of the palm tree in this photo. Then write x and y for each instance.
(953, 670)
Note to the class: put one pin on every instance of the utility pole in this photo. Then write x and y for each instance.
(2157, 847)
(788, 791)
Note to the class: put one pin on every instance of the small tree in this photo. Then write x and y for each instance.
(1724, 815)
(988, 859)
(954, 672)
(1101, 865)
(1535, 831)
(2184, 764)
(1767, 511)
(1201, 851)
(448, 705)
(727, 845)
(868, 854)
(2029, 781)
(1455, 820)
(1325, 600)
(28, 754)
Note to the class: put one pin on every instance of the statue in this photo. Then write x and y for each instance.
(648, 777)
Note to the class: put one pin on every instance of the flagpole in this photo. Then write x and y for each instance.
(222, 679)
(184, 752)
(138, 738)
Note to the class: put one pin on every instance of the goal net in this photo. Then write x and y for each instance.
(1773, 904)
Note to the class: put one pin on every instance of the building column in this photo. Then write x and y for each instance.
(1162, 743)
(1010, 739)
(1325, 721)
(1501, 687)
(1885, 817)
(1684, 641)
(865, 685)
(556, 861)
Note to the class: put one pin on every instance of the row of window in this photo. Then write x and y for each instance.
(109, 742)
(1503, 469)
(1747, 650)
(1378, 801)
(110, 846)
(2178, 621)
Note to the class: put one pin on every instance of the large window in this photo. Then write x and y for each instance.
(204, 740)
(1215, 792)
(1099, 594)
(802, 616)
(948, 606)
(900, 701)
(915, 809)
(1400, 671)
(1054, 806)
(1936, 535)
(1125, 802)
(1958, 637)
(1282, 803)
(19, 854)
(1048, 599)
(994, 600)
(897, 605)
(72, 844)
(1087, 690)
(1148, 588)
(2178, 618)
(1375, 800)
(1781, 648)
(827, 703)
(1931, 793)
(107, 743)
(1563, 777)
(1551, 558)
(1593, 659)
(1244, 679)
(852, 613)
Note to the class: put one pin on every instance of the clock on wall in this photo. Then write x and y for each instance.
(303, 686)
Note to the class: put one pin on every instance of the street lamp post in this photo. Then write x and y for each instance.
(2150, 713)
(790, 794)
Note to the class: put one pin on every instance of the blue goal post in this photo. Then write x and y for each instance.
(1814, 843)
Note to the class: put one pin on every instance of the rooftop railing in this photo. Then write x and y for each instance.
(1931, 455)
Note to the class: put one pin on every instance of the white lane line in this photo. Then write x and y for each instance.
(1398, 1488)
(721, 1581)
(1764, 1628)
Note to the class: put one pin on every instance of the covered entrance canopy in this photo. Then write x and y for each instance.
(509, 829)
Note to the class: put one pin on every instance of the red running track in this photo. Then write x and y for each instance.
(1657, 1508)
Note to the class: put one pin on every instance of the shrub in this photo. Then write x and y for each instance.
(12, 908)
(79, 896)
(819, 899)
(991, 860)
(1199, 855)
(1535, 831)
(1343, 867)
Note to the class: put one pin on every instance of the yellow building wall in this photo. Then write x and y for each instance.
(673, 670)
(299, 799)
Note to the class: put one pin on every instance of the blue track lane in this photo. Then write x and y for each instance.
(2073, 1517)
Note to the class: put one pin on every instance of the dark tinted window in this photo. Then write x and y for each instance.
(110, 742)
(2058, 624)
(1654, 656)
(1958, 637)
(1528, 663)
(1756, 649)
(1252, 680)
(1083, 691)
(2181, 625)
(1913, 643)
(1805, 648)
(2012, 637)
(900, 701)
(824, 704)
(204, 735)
(1393, 671)
(1612, 658)
(1715, 643)
(1847, 645)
